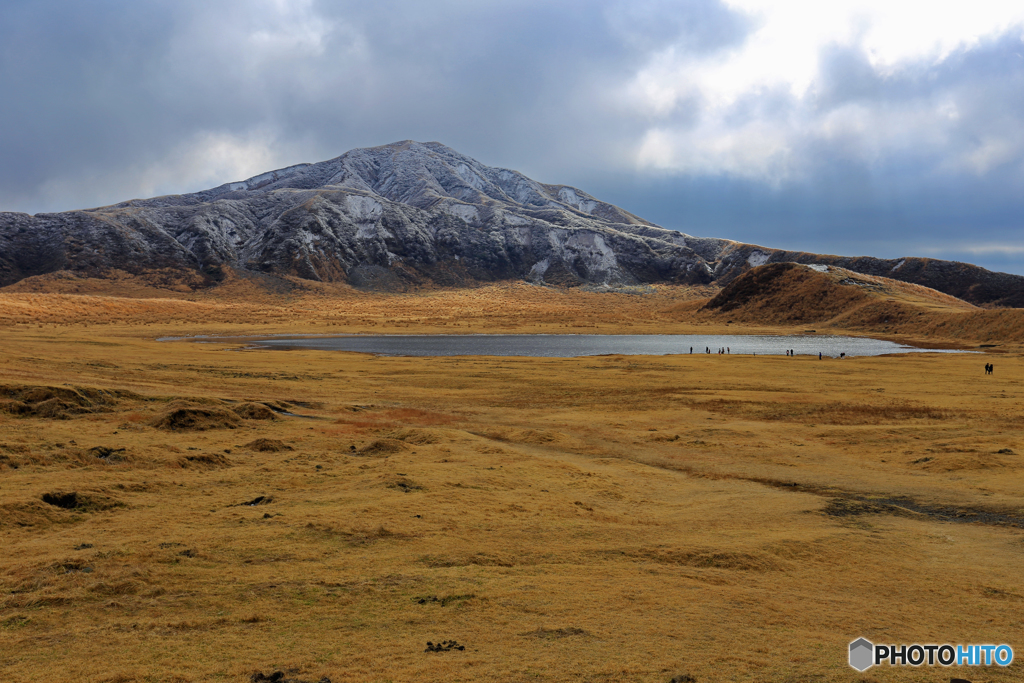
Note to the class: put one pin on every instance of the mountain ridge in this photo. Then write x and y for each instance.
(414, 214)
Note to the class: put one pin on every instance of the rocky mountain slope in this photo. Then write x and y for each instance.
(410, 214)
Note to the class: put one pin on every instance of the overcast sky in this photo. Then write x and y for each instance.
(874, 127)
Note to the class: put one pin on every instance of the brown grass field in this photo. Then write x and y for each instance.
(614, 518)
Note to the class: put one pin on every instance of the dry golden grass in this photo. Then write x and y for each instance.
(876, 306)
(594, 519)
(787, 295)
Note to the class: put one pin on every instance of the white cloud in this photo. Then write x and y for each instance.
(991, 152)
(994, 249)
(761, 110)
(792, 33)
(206, 160)
(756, 150)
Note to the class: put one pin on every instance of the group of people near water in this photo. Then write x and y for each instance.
(726, 350)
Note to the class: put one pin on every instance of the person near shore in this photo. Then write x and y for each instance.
(819, 355)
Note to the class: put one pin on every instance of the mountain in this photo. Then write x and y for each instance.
(410, 214)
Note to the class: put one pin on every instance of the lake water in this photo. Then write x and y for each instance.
(572, 345)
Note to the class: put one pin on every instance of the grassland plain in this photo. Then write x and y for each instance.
(173, 511)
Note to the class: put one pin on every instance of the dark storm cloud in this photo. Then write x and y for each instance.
(108, 100)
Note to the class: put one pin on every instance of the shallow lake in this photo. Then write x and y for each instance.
(571, 345)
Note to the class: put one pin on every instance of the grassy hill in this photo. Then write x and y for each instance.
(788, 294)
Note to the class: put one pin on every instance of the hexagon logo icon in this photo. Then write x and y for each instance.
(862, 654)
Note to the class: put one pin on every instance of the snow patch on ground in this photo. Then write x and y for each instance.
(519, 235)
(464, 211)
(365, 231)
(517, 187)
(363, 209)
(604, 253)
(366, 212)
(467, 174)
(569, 196)
(308, 240)
(263, 179)
(589, 247)
(539, 268)
(513, 219)
(900, 264)
(817, 267)
(757, 258)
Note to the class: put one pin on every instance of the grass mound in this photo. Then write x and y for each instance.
(383, 447)
(737, 561)
(420, 437)
(34, 514)
(57, 402)
(268, 446)
(204, 461)
(110, 455)
(15, 408)
(254, 411)
(15, 456)
(197, 419)
(554, 633)
(80, 502)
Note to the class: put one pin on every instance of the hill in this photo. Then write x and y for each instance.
(786, 294)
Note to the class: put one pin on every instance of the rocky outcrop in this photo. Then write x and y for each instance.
(410, 214)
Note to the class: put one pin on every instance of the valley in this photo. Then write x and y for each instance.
(179, 511)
